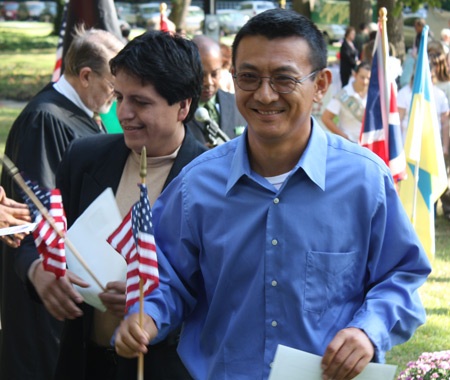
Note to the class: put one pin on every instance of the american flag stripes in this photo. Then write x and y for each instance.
(49, 244)
(134, 240)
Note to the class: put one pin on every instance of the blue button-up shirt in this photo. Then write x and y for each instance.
(248, 267)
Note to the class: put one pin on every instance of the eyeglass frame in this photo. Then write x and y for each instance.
(296, 81)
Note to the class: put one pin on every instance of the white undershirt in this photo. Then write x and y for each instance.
(278, 180)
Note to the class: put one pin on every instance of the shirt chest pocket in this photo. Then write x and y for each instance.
(332, 278)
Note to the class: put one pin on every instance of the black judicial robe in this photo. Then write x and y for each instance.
(36, 143)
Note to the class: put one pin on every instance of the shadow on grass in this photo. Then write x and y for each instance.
(438, 311)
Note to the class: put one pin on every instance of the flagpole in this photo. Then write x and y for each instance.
(143, 174)
(385, 53)
(14, 173)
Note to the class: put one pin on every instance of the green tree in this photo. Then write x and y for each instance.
(303, 7)
(179, 12)
(59, 17)
(360, 11)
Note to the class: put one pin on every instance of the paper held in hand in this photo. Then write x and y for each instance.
(292, 364)
(88, 234)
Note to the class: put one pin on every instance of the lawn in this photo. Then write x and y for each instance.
(434, 335)
(23, 71)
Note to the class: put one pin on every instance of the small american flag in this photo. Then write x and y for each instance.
(134, 240)
(49, 244)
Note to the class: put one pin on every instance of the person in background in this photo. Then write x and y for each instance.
(226, 79)
(348, 106)
(362, 37)
(445, 39)
(419, 24)
(248, 258)
(348, 56)
(441, 74)
(221, 105)
(58, 114)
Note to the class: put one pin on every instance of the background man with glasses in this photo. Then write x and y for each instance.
(59, 113)
(285, 235)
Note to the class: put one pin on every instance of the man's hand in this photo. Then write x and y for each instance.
(12, 213)
(58, 295)
(131, 339)
(115, 297)
(347, 355)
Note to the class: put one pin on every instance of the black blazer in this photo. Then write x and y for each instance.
(88, 167)
(230, 118)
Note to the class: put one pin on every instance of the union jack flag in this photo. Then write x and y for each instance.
(48, 243)
(134, 240)
(381, 125)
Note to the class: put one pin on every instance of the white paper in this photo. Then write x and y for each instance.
(17, 229)
(88, 235)
(293, 364)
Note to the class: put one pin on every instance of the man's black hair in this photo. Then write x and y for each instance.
(169, 62)
(281, 23)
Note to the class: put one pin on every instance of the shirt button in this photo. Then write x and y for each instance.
(274, 283)
(274, 323)
(276, 201)
(274, 242)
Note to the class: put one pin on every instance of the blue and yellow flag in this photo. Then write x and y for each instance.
(427, 178)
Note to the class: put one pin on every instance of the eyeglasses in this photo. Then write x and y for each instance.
(103, 77)
(283, 84)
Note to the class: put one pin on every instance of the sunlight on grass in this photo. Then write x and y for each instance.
(23, 75)
(434, 335)
(29, 28)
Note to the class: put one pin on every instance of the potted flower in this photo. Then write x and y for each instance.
(429, 366)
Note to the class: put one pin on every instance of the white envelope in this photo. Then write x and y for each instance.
(88, 235)
(293, 364)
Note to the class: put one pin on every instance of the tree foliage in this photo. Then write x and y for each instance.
(415, 5)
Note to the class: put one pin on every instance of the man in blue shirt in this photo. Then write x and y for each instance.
(285, 235)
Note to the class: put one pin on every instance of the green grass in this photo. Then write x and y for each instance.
(434, 335)
(27, 58)
(22, 75)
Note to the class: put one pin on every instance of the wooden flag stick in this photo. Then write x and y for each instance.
(143, 175)
(14, 172)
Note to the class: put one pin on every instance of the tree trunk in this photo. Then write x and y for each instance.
(394, 28)
(360, 11)
(303, 7)
(179, 12)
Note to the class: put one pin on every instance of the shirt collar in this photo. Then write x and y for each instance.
(66, 89)
(313, 160)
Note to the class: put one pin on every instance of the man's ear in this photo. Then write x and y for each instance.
(322, 82)
(85, 76)
(185, 106)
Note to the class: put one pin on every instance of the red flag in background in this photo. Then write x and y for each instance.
(134, 240)
(164, 27)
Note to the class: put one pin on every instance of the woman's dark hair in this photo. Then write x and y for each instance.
(169, 62)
